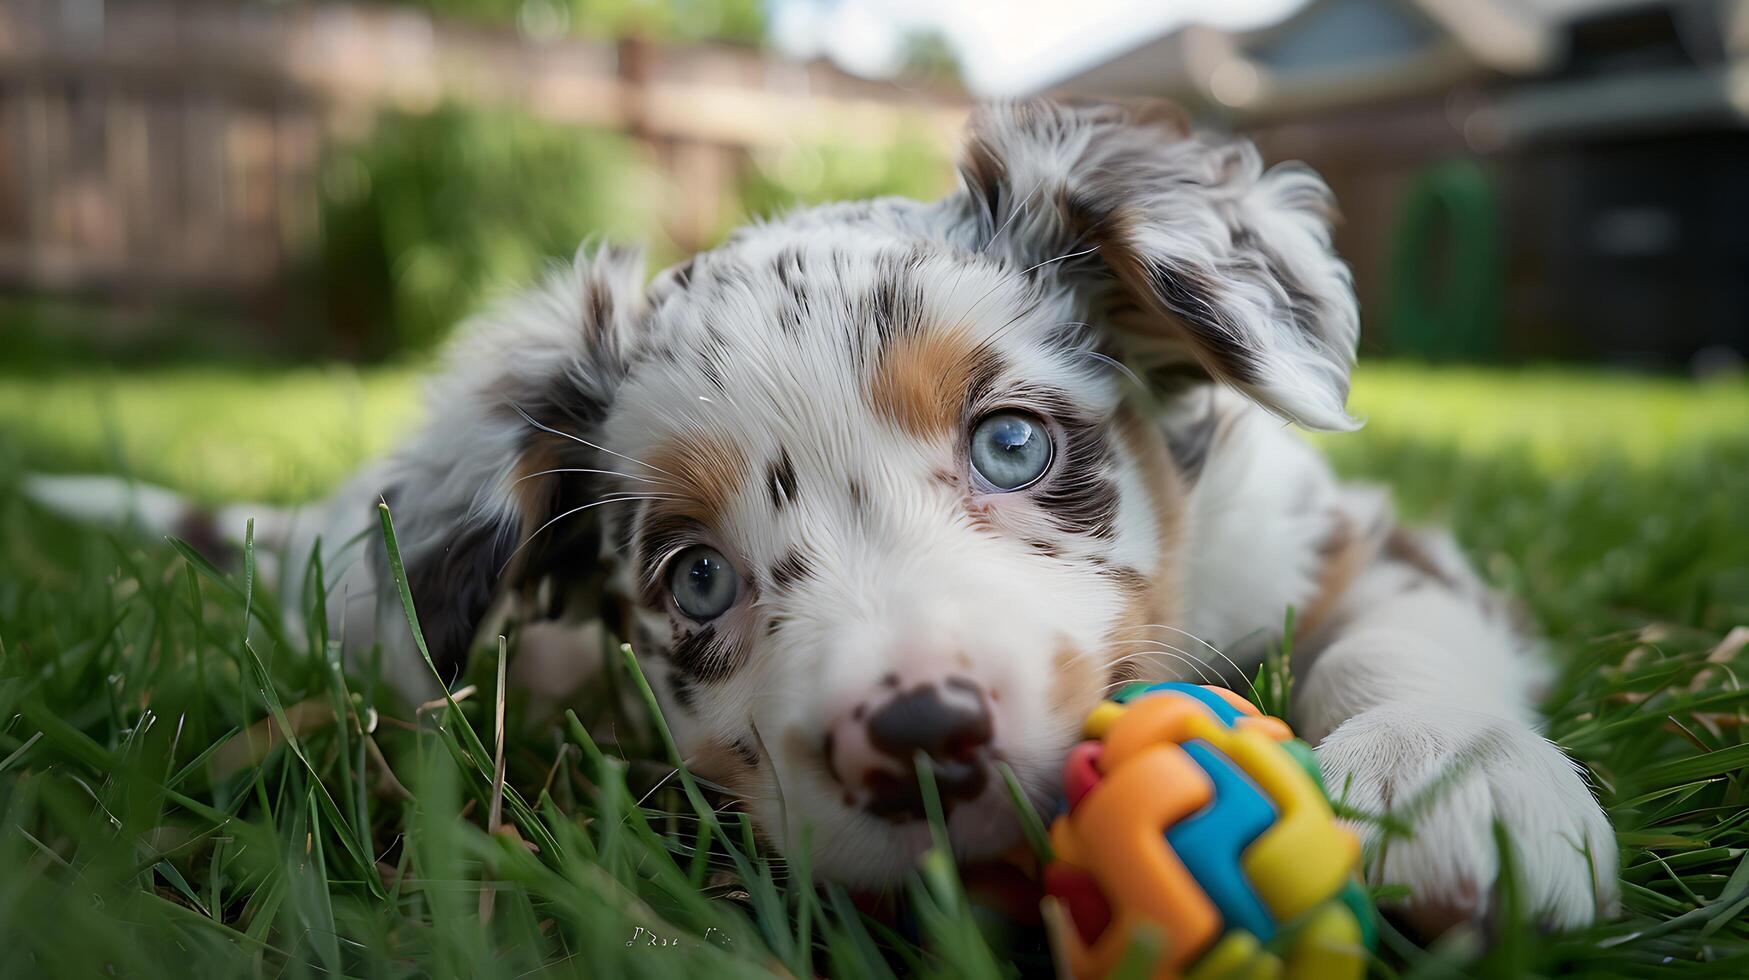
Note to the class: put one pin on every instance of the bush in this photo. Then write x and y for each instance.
(432, 216)
(798, 175)
(740, 21)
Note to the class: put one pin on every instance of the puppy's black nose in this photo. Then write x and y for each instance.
(947, 721)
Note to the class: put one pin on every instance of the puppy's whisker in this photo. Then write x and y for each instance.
(1150, 648)
(585, 469)
(1013, 213)
(730, 797)
(653, 790)
(1188, 634)
(1061, 258)
(1158, 649)
(1114, 362)
(1113, 686)
(1193, 658)
(1145, 641)
(1119, 685)
(531, 420)
(1237, 670)
(568, 513)
(1011, 279)
(1156, 656)
(1155, 651)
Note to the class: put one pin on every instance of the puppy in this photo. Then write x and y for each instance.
(887, 478)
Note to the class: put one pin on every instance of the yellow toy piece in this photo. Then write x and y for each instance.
(1193, 814)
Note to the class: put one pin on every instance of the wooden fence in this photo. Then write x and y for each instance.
(152, 147)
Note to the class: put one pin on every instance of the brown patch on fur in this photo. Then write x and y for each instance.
(808, 754)
(707, 472)
(978, 516)
(534, 494)
(725, 764)
(1129, 581)
(1039, 546)
(1345, 552)
(714, 761)
(1076, 680)
(1151, 600)
(1404, 547)
(1180, 299)
(921, 380)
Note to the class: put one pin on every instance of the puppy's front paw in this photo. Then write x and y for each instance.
(1450, 774)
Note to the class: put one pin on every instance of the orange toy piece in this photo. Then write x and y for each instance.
(1196, 818)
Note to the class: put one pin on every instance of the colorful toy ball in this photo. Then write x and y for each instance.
(1192, 814)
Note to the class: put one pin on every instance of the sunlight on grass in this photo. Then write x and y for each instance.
(1563, 417)
(214, 433)
(289, 435)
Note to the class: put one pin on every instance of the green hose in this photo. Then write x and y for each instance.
(1447, 307)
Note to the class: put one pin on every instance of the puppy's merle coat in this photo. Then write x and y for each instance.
(894, 477)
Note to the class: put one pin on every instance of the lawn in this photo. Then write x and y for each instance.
(151, 827)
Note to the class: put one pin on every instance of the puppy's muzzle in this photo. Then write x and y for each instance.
(873, 748)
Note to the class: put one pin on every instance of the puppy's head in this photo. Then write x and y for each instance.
(873, 485)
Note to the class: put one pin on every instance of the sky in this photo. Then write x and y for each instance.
(1005, 47)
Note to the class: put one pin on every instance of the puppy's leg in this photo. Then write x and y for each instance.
(1418, 694)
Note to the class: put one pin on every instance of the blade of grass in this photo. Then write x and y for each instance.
(496, 814)
(1036, 835)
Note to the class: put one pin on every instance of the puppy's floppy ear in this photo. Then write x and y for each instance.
(1185, 244)
(524, 389)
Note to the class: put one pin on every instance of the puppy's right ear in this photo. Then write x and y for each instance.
(1193, 254)
(509, 427)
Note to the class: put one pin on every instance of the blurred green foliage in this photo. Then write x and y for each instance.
(689, 20)
(929, 57)
(44, 331)
(911, 166)
(433, 215)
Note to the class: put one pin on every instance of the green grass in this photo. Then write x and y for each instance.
(215, 433)
(150, 828)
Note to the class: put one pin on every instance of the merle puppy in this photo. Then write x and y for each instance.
(892, 477)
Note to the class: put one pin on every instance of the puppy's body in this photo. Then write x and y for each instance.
(899, 477)
(1414, 681)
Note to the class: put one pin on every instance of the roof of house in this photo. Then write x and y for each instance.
(1336, 51)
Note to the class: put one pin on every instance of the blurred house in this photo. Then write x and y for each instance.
(1527, 178)
(159, 152)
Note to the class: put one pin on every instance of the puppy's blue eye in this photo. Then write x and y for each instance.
(1010, 450)
(703, 582)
